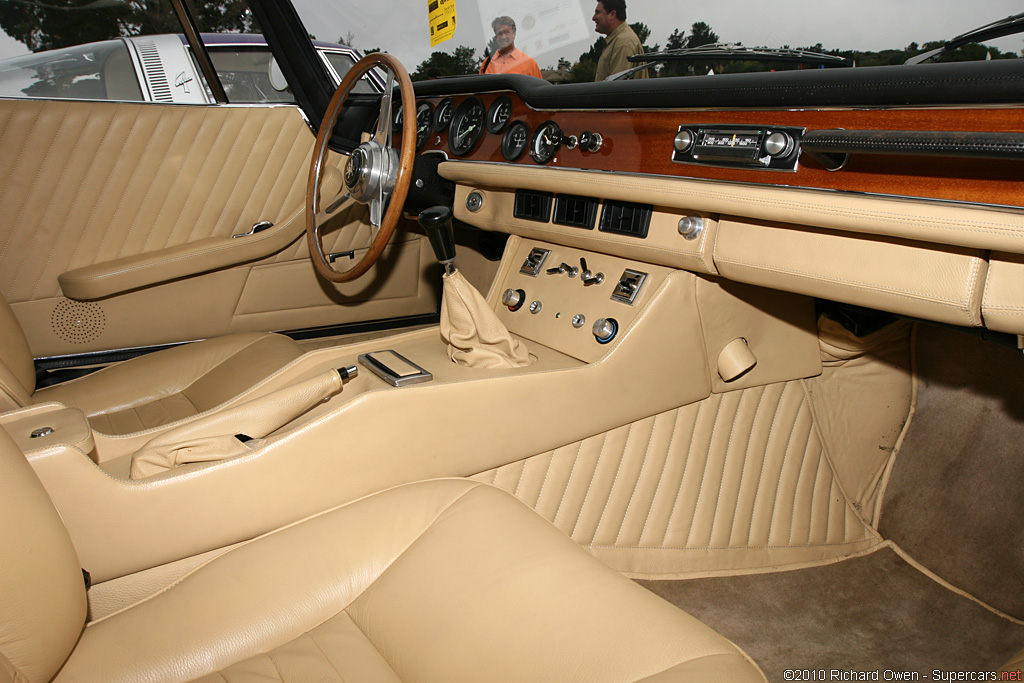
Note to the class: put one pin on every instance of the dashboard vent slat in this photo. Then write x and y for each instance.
(575, 212)
(624, 218)
(532, 206)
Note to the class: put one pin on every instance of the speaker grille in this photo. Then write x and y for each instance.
(78, 322)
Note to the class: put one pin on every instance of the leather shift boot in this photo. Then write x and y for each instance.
(475, 336)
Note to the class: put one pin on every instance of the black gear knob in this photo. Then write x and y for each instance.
(437, 223)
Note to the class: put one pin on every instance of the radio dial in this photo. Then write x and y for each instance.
(778, 144)
(683, 141)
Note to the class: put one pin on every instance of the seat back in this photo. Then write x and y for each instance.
(17, 373)
(42, 593)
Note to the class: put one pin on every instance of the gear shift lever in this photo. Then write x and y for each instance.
(437, 223)
(475, 336)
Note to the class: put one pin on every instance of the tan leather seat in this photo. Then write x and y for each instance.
(148, 391)
(446, 580)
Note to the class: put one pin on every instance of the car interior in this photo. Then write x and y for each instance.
(679, 379)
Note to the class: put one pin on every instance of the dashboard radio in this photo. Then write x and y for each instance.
(775, 148)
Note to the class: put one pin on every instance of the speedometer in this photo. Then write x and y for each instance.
(499, 113)
(467, 126)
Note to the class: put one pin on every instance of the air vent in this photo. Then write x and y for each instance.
(623, 218)
(533, 206)
(576, 212)
(158, 85)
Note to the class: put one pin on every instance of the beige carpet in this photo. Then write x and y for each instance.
(871, 613)
(955, 500)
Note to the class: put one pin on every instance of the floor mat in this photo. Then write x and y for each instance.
(870, 613)
(954, 501)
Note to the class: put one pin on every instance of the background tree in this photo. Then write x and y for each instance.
(701, 34)
(51, 24)
(462, 61)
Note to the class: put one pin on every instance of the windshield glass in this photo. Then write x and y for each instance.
(562, 35)
(562, 41)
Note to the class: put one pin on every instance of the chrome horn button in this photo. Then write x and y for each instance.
(370, 172)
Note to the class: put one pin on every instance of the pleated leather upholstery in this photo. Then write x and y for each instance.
(445, 580)
(86, 182)
(738, 481)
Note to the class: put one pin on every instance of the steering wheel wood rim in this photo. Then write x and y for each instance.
(403, 176)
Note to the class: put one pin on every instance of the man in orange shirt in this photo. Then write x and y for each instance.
(507, 59)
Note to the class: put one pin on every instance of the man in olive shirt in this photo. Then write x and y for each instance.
(610, 19)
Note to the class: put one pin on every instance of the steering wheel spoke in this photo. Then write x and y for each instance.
(383, 134)
(375, 174)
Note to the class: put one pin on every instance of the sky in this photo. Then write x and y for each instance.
(549, 29)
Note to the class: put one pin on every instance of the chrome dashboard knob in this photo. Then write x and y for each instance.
(605, 330)
(513, 298)
(778, 144)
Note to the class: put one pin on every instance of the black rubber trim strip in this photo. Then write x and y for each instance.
(109, 357)
(202, 57)
(967, 83)
(299, 62)
(916, 143)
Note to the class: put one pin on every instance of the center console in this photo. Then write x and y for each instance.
(611, 341)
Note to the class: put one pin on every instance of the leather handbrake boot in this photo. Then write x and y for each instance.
(475, 336)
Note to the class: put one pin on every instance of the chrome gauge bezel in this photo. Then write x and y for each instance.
(499, 114)
(443, 114)
(545, 142)
(467, 126)
(510, 152)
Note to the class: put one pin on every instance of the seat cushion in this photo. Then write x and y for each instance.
(445, 580)
(170, 385)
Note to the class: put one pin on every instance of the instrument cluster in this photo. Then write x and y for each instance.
(466, 121)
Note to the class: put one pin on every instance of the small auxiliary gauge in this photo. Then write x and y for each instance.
(443, 114)
(515, 140)
(424, 120)
(396, 119)
(499, 114)
(546, 142)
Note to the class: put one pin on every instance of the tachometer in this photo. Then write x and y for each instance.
(546, 142)
(499, 114)
(515, 140)
(467, 126)
(443, 114)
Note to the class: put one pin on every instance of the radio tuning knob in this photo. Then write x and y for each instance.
(778, 144)
(683, 141)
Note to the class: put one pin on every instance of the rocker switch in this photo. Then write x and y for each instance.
(628, 286)
(534, 262)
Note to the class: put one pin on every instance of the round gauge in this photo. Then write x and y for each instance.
(546, 142)
(467, 126)
(499, 113)
(424, 119)
(515, 140)
(443, 114)
(396, 120)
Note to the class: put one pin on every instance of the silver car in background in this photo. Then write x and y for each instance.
(161, 68)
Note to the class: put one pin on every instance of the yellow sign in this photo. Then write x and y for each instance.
(442, 20)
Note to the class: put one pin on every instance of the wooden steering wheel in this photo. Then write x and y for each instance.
(375, 174)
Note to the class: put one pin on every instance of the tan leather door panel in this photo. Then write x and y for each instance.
(84, 183)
